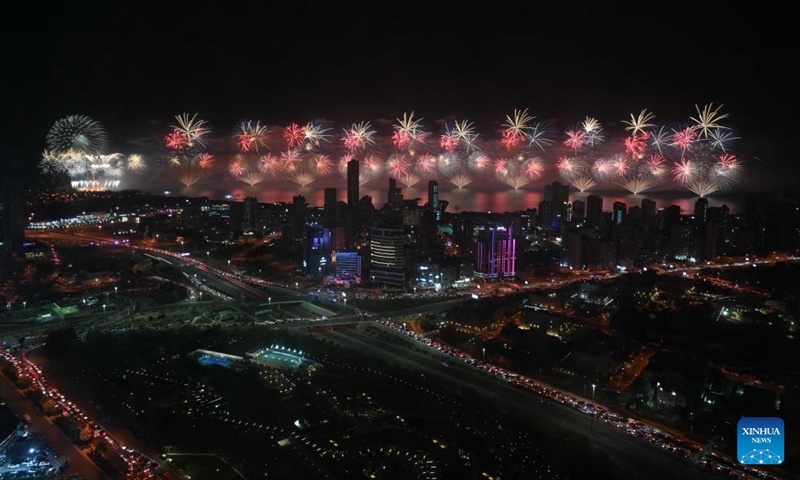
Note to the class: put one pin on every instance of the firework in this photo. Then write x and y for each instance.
(425, 163)
(722, 139)
(636, 144)
(291, 160)
(372, 166)
(269, 163)
(251, 136)
(294, 135)
(322, 164)
(76, 133)
(660, 139)
(516, 180)
(460, 179)
(398, 166)
(635, 184)
(177, 140)
(683, 171)
(407, 131)
(575, 139)
(314, 135)
(459, 134)
(252, 178)
(135, 162)
(409, 179)
(593, 131)
(358, 136)
(583, 183)
(189, 178)
(238, 166)
(539, 135)
(638, 124)
(516, 128)
(192, 128)
(205, 161)
(683, 139)
(707, 119)
(302, 178)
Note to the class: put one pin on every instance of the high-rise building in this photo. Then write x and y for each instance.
(594, 210)
(395, 204)
(387, 256)
(648, 209)
(299, 213)
(433, 199)
(249, 217)
(496, 253)
(348, 265)
(352, 183)
(618, 212)
(354, 223)
(578, 210)
(329, 217)
(701, 210)
(558, 195)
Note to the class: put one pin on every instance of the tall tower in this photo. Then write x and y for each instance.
(701, 210)
(619, 212)
(329, 208)
(594, 210)
(352, 184)
(433, 199)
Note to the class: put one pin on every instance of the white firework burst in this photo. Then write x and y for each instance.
(194, 128)
(640, 123)
(707, 119)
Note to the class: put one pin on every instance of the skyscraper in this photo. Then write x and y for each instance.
(433, 199)
(594, 210)
(618, 213)
(352, 183)
(558, 196)
(329, 209)
(578, 210)
(352, 226)
(701, 210)
(648, 209)
(249, 218)
(496, 253)
(387, 256)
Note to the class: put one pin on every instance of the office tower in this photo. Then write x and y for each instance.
(433, 199)
(558, 196)
(329, 209)
(387, 256)
(352, 183)
(701, 210)
(348, 265)
(578, 210)
(299, 212)
(496, 253)
(395, 204)
(648, 209)
(594, 210)
(249, 217)
(618, 212)
(353, 223)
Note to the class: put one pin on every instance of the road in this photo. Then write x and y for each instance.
(636, 458)
(78, 462)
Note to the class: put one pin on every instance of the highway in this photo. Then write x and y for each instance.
(636, 458)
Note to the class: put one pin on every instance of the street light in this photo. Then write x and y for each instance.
(24, 304)
(484, 354)
(104, 308)
(270, 302)
(208, 254)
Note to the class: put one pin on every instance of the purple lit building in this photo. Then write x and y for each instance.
(496, 253)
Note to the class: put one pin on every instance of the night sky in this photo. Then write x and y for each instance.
(134, 67)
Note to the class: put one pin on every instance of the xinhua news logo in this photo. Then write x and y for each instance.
(760, 441)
